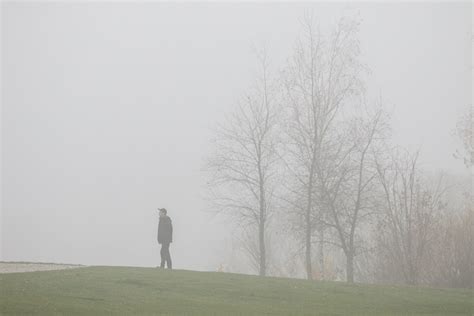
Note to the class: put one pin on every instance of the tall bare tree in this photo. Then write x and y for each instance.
(320, 78)
(245, 163)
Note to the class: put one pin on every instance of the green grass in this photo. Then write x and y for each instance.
(131, 291)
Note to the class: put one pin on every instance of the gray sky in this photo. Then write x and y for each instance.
(107, 112)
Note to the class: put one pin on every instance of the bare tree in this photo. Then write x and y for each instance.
(347, 183)
(322, 76)
(244, 165)
(452, 254)
(411, 212)
(456, 248)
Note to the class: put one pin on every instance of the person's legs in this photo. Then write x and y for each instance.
(170, 266)
(163, 255)
(168, 256)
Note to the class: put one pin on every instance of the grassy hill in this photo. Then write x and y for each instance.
(127, 291)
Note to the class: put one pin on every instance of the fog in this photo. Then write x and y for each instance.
(108, 111)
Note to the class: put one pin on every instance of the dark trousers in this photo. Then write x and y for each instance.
(165, 255)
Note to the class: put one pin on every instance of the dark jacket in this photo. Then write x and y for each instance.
(165, 230)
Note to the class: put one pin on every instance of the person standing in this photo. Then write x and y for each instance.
(165, 237)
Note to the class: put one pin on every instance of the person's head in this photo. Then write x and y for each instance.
(163, 212)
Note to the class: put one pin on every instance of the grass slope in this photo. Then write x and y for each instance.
(127, 291)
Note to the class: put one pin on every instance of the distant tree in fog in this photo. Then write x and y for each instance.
(456, 248)
(348, 183)
(412, 210)
(321, 77)
(465, 134)
(245, 164)
(452, 260)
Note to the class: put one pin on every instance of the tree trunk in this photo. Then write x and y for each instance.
(309, 271)
(261, 223)
(261, 233)
(350, 266)
(321, 253)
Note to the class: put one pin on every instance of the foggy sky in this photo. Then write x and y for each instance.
(107, 112)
